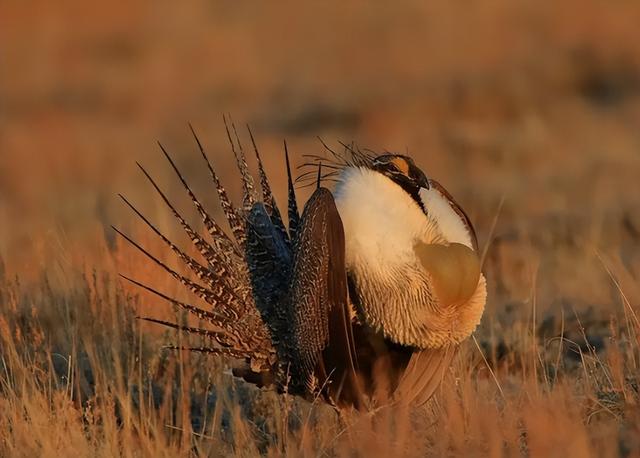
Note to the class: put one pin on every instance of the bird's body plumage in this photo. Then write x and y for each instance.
(394, 293)
(382, 223)
(378, 279)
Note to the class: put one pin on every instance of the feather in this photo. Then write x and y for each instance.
(269, 259)
(235, 221)
(267, 196)
(215, 351)
(294, 216)
(249, 344)
(322, 340)
(211, 277)
(218, 336)
(220, 257)
(423, 375)
(223, 243)
(458, 210)
(210, 317)
(249, 193)
(213, 298)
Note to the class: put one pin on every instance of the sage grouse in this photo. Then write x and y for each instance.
(362, 299)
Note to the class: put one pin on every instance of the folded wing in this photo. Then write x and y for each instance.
(322, 343)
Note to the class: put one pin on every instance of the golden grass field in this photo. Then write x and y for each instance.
(528, 112)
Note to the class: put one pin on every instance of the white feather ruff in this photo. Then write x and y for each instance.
(381, 221)
(448, 221)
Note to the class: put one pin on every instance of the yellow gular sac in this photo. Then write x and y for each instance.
(454, 269)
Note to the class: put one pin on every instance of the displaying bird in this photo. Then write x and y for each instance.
(362, 298)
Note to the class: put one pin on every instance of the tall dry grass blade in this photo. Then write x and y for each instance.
(494, 224)
(486, 363)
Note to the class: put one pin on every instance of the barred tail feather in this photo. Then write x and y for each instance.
(219, 337)
(220, 238)
(204, 315)
(209, 296)
(211, 277)
(249, 192)
(267, 196)
(214, 257)
(215, 351)
(235, 343)
(232, 321)
(235, 221)
(294, 215)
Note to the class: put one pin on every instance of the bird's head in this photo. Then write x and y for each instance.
(402, 171)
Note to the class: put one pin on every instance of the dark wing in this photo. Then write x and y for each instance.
(268, 251)
(321, 346)
(269, 259)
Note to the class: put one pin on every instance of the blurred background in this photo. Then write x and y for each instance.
(528, 112)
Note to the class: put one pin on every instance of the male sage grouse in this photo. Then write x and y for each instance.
(361, 299)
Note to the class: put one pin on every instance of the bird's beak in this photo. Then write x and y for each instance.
(423, 182)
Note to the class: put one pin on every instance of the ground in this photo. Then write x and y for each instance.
(527, 112)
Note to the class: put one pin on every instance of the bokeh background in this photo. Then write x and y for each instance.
(528, 112)
(536, 103)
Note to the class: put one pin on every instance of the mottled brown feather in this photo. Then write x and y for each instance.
(323, 344)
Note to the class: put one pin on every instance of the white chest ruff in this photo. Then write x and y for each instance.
(382, 223)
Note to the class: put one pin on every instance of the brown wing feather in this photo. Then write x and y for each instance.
(423, 375)
(323, 350)
(339, 354)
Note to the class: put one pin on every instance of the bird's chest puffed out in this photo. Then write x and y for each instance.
(392, 289)
(381, 226)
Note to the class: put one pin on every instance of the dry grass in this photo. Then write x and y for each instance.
(527, 112)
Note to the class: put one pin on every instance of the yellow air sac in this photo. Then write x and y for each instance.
(454, 270)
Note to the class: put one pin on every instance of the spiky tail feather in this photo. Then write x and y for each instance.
(234, 323)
